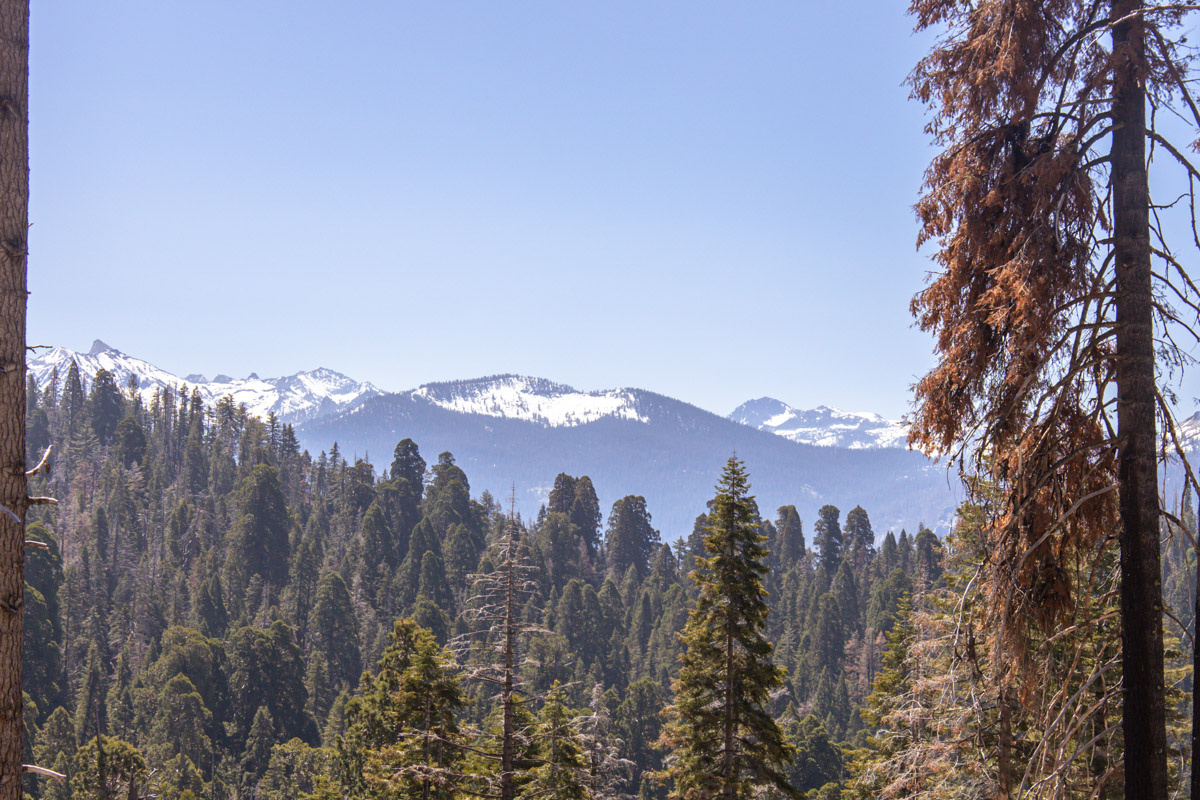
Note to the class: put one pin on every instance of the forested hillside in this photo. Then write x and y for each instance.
(224, 607)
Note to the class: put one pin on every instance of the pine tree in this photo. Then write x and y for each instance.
(106, 771)
(106, 405)
(638, 721)
(827, 538)
(330, 638)
(257, 753)
(608, 771)
(424, 746)
(789, 536)
(859, 538)
(585, 514)
(630, 539)
(562, 773)
(722, 740)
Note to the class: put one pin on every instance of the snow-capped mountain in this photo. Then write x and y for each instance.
(1188, 431)
(293, 398)
(519, 431)
(822, 426)
(531, 399)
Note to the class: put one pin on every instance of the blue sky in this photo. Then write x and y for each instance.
(709, 200)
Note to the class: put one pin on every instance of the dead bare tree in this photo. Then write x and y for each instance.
(489, 652)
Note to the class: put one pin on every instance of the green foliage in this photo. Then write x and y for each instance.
(107, 770)
(181, 724)
(562, 773)
(722, 740)
(330, 639)
(220, 579)
(299, 772)
(828, 538)
(630, 539)
(267, 674)
(818, 760)
(402, 731)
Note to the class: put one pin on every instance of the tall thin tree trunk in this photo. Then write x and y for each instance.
(729, 790)
(1196, 676)
(14, 224)
(1144, 709)
(508, 745)
(1004, 757)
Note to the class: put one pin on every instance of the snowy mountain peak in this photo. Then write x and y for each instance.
(292, 398)
(823, 426)
(531, 399)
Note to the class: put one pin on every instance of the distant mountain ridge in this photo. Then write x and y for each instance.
(822, 426)
(512, 430)
(292, 398)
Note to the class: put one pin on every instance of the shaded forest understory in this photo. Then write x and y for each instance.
(224, 609)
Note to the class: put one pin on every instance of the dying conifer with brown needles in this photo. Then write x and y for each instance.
(1060, 307)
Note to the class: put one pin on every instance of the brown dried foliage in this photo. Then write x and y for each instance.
(1022, 305)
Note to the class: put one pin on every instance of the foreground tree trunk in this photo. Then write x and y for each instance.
(1144, 711)
(14, 217)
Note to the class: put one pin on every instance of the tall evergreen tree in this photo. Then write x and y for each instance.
(789, 537)
(563, 771)
(585, 513)
(630, 539)
(416, 720)
(827, 538)
(723, 742)
(106, 405)
(329, 636)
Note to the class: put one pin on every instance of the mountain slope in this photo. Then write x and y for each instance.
(508, 430)
(293, 398)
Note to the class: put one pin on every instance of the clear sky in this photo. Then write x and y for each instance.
(708, 200)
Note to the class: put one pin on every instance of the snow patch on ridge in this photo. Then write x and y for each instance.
(531, 399)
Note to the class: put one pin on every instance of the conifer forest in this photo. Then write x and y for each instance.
(198, 604)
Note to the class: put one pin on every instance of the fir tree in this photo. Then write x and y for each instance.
(630, 539)
(106, 405)
(828, 538)
(106, 771)
(722, 740)
(257, 753)
(330, 639)
(563, 771)
(424, 748)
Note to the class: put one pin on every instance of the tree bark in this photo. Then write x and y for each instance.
(1195, 673)
(1004, 755)
(508, 749)
(1144, 708)
(14, 224)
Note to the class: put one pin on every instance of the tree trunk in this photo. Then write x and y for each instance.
(729, 789)
(1004, 756)
(1195, 676)
(1144, 708)
(14, 224)
(508, 749)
